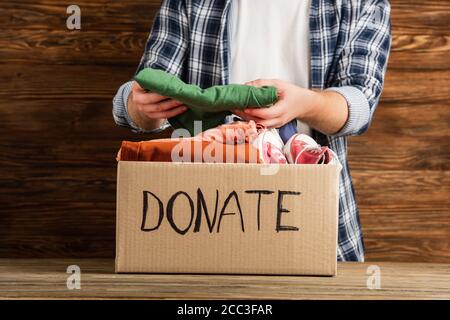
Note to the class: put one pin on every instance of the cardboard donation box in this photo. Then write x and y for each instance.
(226, 218)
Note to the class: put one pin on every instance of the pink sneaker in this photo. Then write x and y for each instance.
(302, 149)
(270, 146)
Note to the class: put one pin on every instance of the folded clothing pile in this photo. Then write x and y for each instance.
(237, 142)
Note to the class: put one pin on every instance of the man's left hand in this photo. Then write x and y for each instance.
(294, 102)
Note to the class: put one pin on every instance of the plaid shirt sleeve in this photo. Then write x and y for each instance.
(165, 49)
(362, 65)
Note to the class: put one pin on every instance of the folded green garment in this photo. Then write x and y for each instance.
(209, 105)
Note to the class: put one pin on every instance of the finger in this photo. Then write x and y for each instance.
(262, 82)
(136, 87)
(272, 123)
(264, 113)
(141, 95)
(239, 113)
(165, 105)
(245, 116)
(168, 114)
(242, 115)
(147, 98)
(138, 90)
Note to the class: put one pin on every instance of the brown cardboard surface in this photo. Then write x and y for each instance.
(235, 245)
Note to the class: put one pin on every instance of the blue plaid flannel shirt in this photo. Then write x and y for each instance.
(350, 43)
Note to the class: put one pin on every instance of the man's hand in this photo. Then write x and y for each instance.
(293, 102)
(149, 110)
(324, 111)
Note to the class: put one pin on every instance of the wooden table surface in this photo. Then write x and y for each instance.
(44, 278)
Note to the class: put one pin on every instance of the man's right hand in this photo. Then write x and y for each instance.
(149, 110)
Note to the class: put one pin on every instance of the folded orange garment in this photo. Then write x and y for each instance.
(230, 143)
(187, 150)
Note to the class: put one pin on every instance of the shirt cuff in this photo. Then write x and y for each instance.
(120, 111)
(358, 110)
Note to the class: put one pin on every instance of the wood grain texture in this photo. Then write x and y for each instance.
(111, 15)
(58, 139)
(87, 47)
(46, 279)
(427, 51)
(430, 17)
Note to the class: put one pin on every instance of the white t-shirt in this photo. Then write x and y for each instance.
(270, 40)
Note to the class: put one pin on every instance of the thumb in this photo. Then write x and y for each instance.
(137, 88)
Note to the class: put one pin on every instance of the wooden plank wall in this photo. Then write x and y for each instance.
(58, 139)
